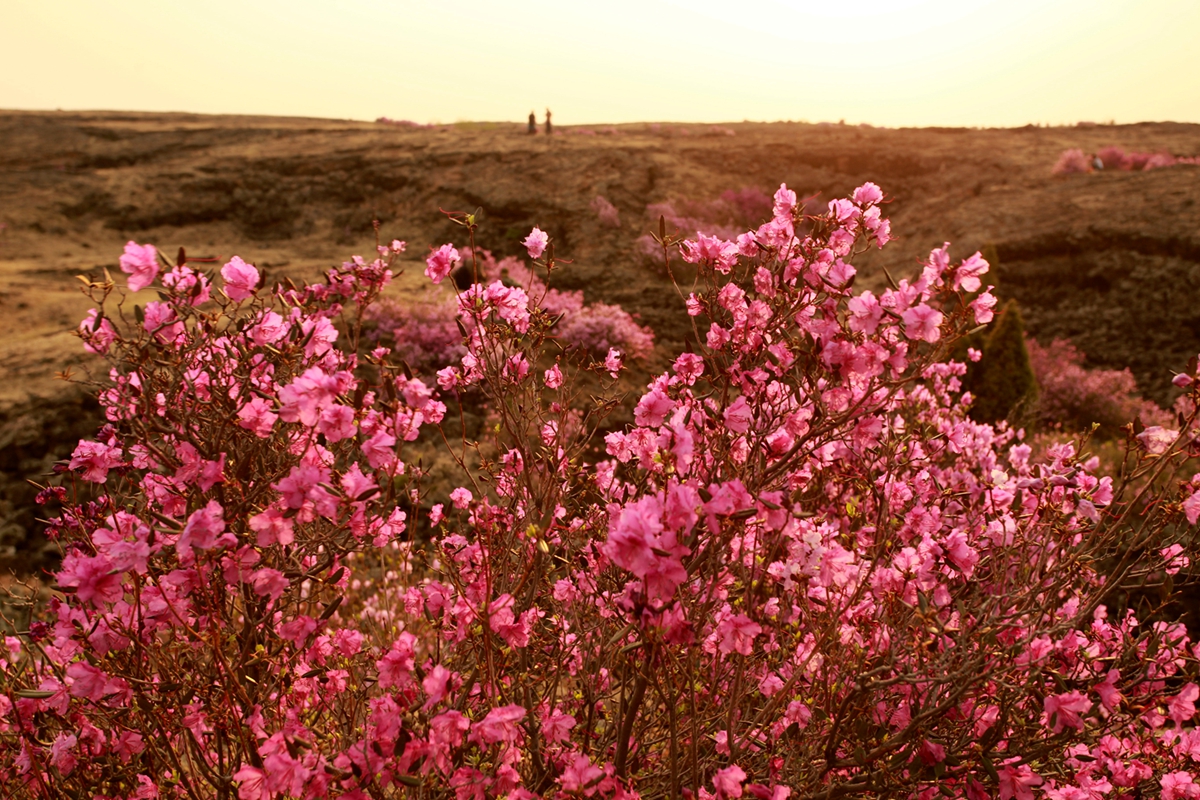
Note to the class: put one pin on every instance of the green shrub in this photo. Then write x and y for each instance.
(1002, 381)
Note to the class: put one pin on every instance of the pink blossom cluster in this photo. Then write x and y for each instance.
(605, 212)
(727, 216)
(1117, 158)
(427, 336)
(802, 571)
(421, 332)
(1072, 396)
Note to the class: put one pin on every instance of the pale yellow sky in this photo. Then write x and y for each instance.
(886, 62)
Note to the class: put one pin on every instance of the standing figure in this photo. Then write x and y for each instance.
(532, 123)
(549, 130)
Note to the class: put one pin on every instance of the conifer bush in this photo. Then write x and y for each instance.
(802, 572)
(1003, 382)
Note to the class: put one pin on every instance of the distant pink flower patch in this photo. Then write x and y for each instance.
(241, 279)
(1072, 161)
(535, 243)
(140, 262)
(606, 212)
(441, 262)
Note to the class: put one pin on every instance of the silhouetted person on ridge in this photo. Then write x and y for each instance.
(532, 123)
(549, 130)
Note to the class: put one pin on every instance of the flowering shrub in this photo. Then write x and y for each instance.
(606, 212)
(1074, 397)
(728, 216)
(803, 571)
(1113, 157)
(427, 333)
(1072, 160)
(421, 332)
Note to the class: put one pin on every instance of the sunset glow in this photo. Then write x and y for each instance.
(905, 62)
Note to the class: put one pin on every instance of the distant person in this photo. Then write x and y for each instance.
(549, 129)
(1097, 164)
(532, 123)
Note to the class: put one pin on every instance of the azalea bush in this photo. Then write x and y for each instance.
(1074, 397)
(802, 572)
(727, 216)
(426, 332)
(1117, 158)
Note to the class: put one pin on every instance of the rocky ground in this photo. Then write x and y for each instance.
(1110, 260)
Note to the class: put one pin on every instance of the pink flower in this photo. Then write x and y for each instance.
(1157, 439)
(612, 362)
(461, 498)
(922, 322)
(557, 726)
(712, 250)
(737, 634)
(1191, 507)
(1110, 696)
(257, 417)
(86, 681)
(1178, 786)
(272, 526)
(867, 195)
(500, 725)
(728, 781)
(380, 449)
(436, 685)
(983, 306)
(96, 339)
(1018, 782)
(580, 775)
(204, 527)
(553, 377)
(967, 275)
(241, 279)
(62, 752)
(336, 423)
(865, 313)
(140, 262)
(785, 201)
(689, 367)
(395, 668)
(441, 262)
(535, 243)
(269, 582)
(96, 459)
(1182, 706)
(251, 783)
(95, 578)
(1063, 710)
(652, 409)
(739, 416)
